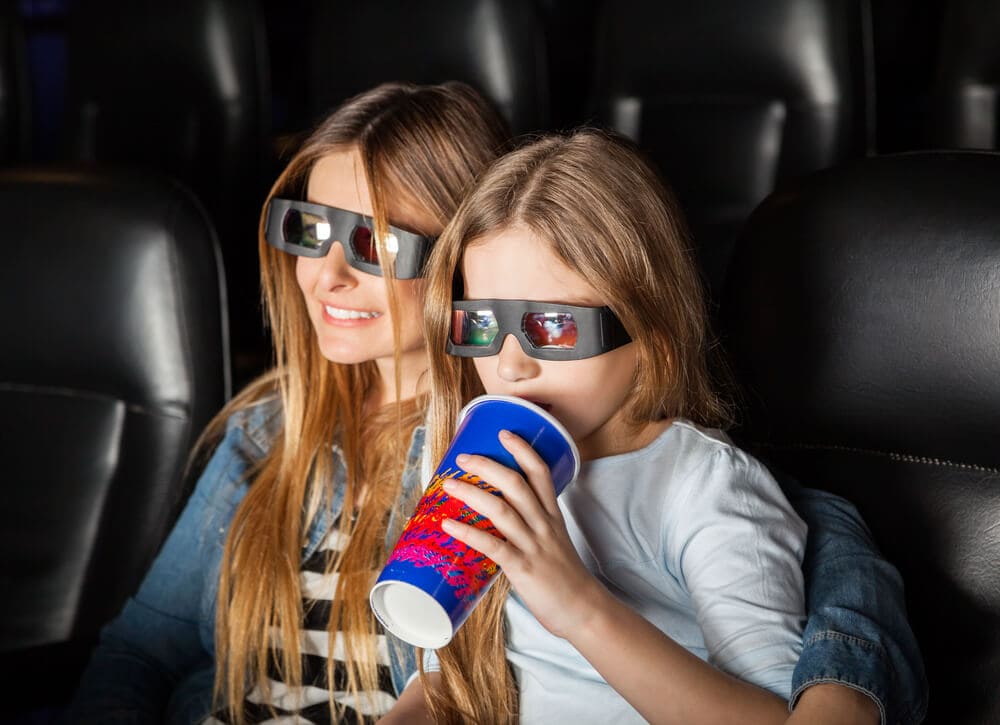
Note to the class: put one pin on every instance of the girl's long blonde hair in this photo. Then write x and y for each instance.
(426, 144)
(609, 218)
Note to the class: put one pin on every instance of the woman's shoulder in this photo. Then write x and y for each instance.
(257, 423)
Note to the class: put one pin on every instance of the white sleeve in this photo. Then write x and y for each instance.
(426, 464)
(431, 663)
(738, 545)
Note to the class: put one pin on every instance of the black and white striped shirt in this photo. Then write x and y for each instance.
(310, 702)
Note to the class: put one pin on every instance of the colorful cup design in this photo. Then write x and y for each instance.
(432, 582)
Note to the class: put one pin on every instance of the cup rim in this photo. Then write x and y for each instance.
(535, 408)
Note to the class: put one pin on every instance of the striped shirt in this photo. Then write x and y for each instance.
(309, 703)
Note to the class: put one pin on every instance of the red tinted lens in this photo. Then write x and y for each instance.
(363, 244)
(550, 329)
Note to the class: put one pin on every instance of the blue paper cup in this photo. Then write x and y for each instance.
(432, 581)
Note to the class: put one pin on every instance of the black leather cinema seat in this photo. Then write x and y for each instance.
(113, 359)
(863, 317)
(497, 46)
(181, 88)
(731, 97)
(15, 106)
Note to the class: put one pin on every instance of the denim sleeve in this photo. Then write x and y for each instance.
(163, 636)
(857, 633)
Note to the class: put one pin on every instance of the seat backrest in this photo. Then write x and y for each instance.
(730, 97)
(570, 27)
(15, 109)
(906, 43)
(178, 87)
(965, 96)
(497, 46)
(863, 319)
(181, 88)
(113, 359)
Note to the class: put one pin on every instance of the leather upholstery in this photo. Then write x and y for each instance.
(906, 45)
(863, 318)
(15, 112)
(497, 46)
(180, 88)
(731, 97)
(114, 358)
(966, 92)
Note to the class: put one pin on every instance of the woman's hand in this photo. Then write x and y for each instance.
(537, 555)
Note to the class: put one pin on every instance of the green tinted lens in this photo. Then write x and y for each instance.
(304, 229)
(477, 328)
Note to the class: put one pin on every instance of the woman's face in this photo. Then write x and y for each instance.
(349, 309)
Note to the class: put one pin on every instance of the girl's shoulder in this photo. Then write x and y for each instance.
(687, 455)
(683, 439)
(711, 448)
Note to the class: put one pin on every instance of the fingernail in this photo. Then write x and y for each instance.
(461, 459)
(506, 435)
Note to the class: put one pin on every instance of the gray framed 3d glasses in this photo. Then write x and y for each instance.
(309, 230)
(545, 330)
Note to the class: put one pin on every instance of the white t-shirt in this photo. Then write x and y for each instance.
(697, 537)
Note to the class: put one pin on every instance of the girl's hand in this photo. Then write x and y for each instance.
(537, 556)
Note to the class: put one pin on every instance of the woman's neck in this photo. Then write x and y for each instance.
(413, 370)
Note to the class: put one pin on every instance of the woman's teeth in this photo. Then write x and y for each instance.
(340, 314)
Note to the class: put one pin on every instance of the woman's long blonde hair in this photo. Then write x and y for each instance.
(609, 218)
(426, 144)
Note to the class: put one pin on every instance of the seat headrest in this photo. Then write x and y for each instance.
(862, 309)
(799, 50)
(110, 285)
(497, 46)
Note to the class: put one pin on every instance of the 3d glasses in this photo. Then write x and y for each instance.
(309, 230)
(546, 331)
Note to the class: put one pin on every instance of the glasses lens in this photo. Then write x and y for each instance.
(550, 329)
(305, 229)
(473, 328)
(363, 244)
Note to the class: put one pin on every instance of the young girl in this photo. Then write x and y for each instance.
(665, 583)
(261, 590)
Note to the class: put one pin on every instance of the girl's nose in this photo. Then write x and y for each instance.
(512, 362)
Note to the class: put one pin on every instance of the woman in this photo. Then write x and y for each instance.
(260, 593)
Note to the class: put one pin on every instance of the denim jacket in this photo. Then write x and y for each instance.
(857, 633)
(155, 661)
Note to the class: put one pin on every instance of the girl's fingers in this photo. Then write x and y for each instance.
(482, 541)
(535, 469)
(505, 517)
(516, 491)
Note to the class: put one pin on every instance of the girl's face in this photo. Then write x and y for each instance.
(585, 395)
(349, 309)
